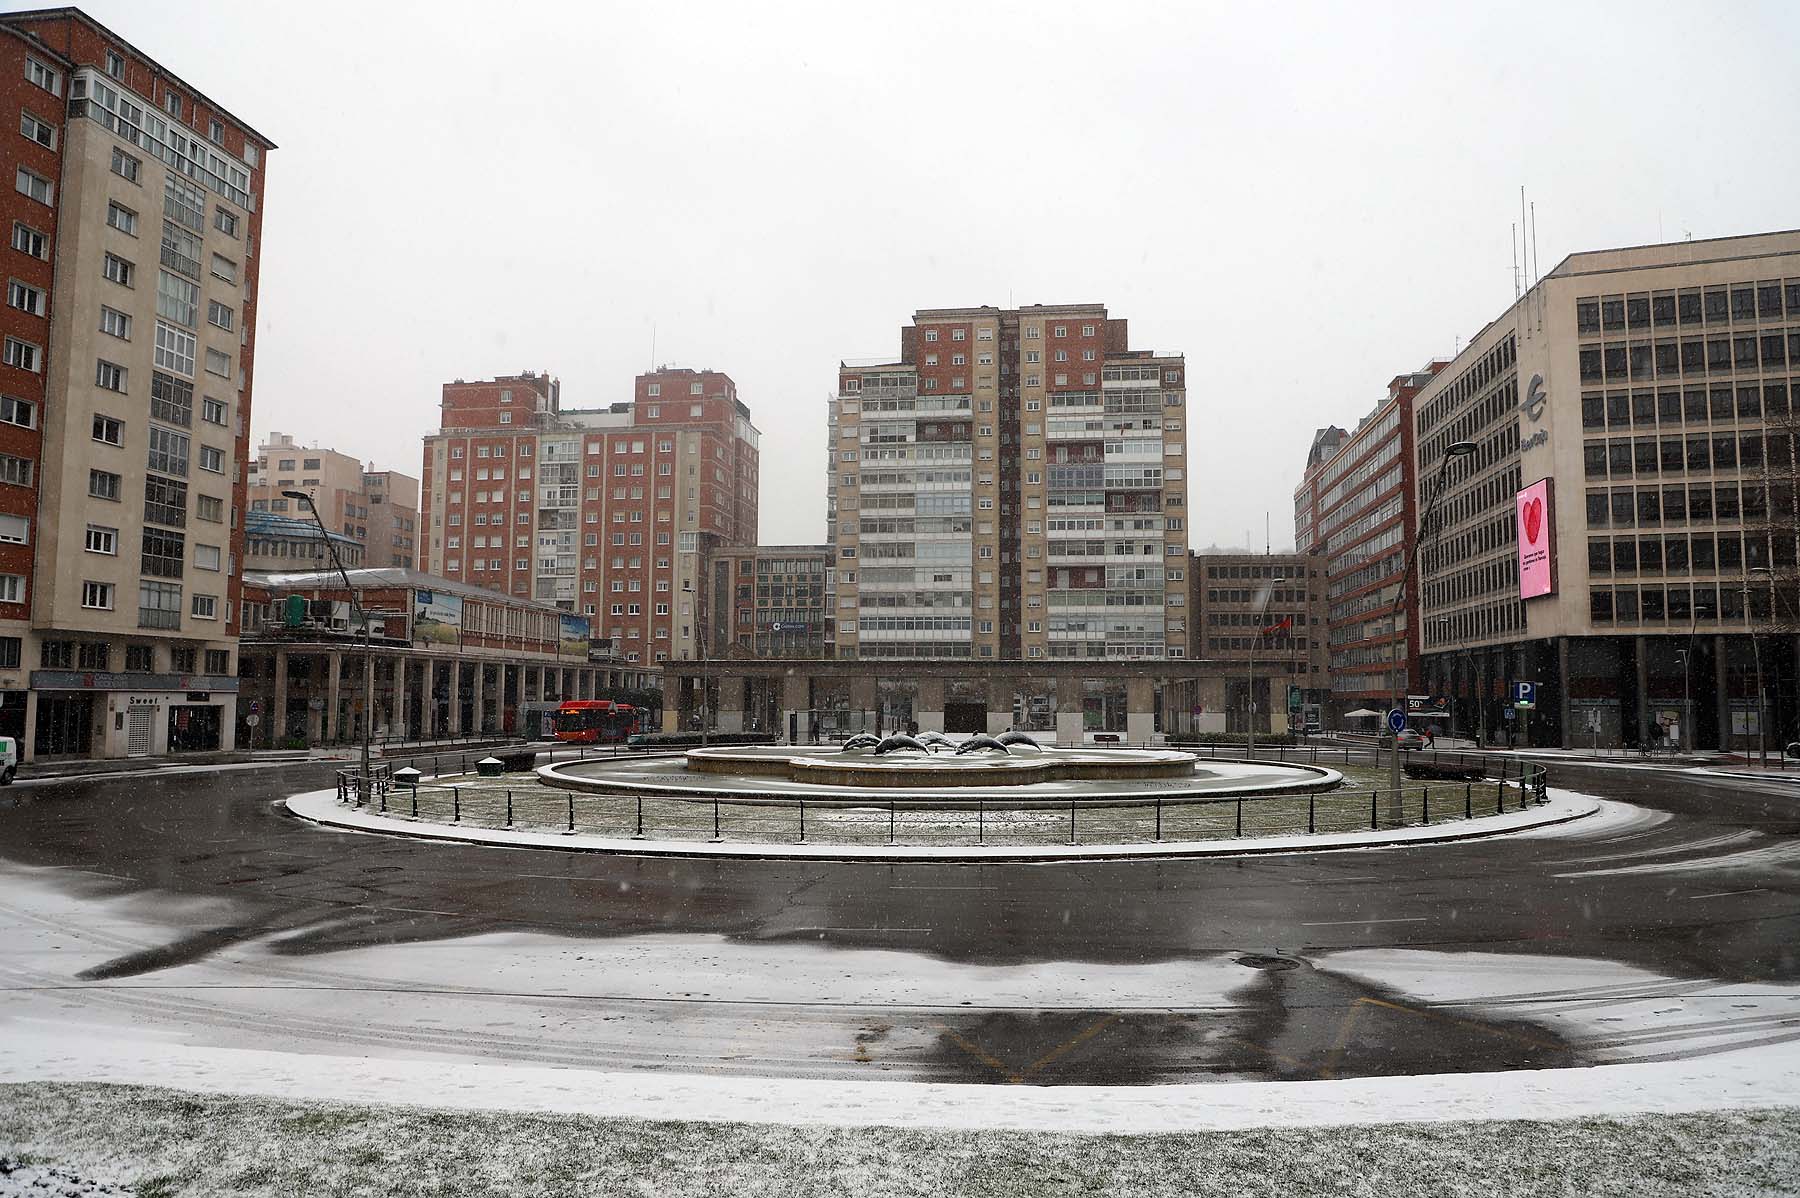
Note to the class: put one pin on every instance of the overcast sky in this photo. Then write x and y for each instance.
(1306, 201)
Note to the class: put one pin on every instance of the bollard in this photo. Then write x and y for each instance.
(509, 816)
(571, 811)
(1240, 817)
(1311, 824)
(639, 834)
(890, 821)
(1468, 800)
(717, 837)
(455, 805)
(1500, 791)
(1373, 816)
(802, 821)
(1159, 817)
(980, 821)
(1071, 821)
(1425, 805)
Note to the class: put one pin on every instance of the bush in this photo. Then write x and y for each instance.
(1269, 739)
(691, 740)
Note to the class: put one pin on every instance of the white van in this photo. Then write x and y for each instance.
(9, 759)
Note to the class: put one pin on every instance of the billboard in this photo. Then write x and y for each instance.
(572, 637)
(437, 617)
(1536, 514)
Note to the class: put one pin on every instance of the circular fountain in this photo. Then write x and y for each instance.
(932, 768)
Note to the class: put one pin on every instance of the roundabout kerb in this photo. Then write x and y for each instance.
(754, 796)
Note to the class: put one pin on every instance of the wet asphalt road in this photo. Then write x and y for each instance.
(1722, 902)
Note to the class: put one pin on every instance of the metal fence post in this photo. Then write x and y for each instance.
(1425, 805)
(571, 811)
(1374, 796)
(509, 813)
(1159, 817)
(802, 821)
(717, 836)
(1071, 821)
(415, 800)
(1500, 791)
(639, 834)
(890, 821)
(455, 805)
(1311, 823)
(1468, 799)
(980, 821)
(1240, 817)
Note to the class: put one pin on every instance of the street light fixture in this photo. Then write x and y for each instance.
(363, 788)
(1456, 449)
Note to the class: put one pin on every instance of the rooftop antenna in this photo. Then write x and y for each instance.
(1536, 266)
(1515, 245)
(1268, 547)
(653, 347)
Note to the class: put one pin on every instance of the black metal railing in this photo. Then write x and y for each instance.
(1492, 787)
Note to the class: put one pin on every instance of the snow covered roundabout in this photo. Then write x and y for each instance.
(905, 798)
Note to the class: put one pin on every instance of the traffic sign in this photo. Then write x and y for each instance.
(252, 720)
(1396, 720)
(1525, 694)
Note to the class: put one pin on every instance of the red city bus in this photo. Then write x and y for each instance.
(595, 721)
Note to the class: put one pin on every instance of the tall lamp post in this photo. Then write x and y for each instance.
(362, 611)
(1778, 604)
(1456, 449)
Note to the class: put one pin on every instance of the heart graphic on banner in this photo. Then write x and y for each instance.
(1534, 518)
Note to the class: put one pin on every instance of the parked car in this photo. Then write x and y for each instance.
(1409, 738)
(9, 760)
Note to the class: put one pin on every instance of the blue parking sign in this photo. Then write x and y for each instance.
(1525, 693)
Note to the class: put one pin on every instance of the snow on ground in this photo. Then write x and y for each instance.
(26, 1177)
(1611, 1011)
(201, 1147)
(1766, 1078)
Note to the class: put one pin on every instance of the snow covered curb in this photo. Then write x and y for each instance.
(1768, 1077)
(322, 807)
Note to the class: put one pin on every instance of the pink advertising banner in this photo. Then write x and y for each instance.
(1537, 540)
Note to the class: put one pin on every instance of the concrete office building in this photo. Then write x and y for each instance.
(1354, 508)
(1259, 623)
(378, 509)
(769, 601)
(1012, 486)
(276, 542)
(1651, 390)
(607, 512)
(133, 254)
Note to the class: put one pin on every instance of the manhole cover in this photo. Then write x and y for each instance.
(1257, 961)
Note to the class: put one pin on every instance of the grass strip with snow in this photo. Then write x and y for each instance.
(169, 1142)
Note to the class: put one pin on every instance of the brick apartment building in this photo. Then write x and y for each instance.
(1354, 508)
(606, 512)
(378, 509)
(134, 229)
(1012, 486)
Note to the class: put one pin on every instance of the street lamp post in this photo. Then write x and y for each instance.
(1456, 449)
(362, 781)
(1687, 719)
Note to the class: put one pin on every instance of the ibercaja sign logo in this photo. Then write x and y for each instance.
(1537, 540)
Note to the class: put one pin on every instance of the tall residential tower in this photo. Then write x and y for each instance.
(133, 259)
(1012, 486)
(606, 512)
